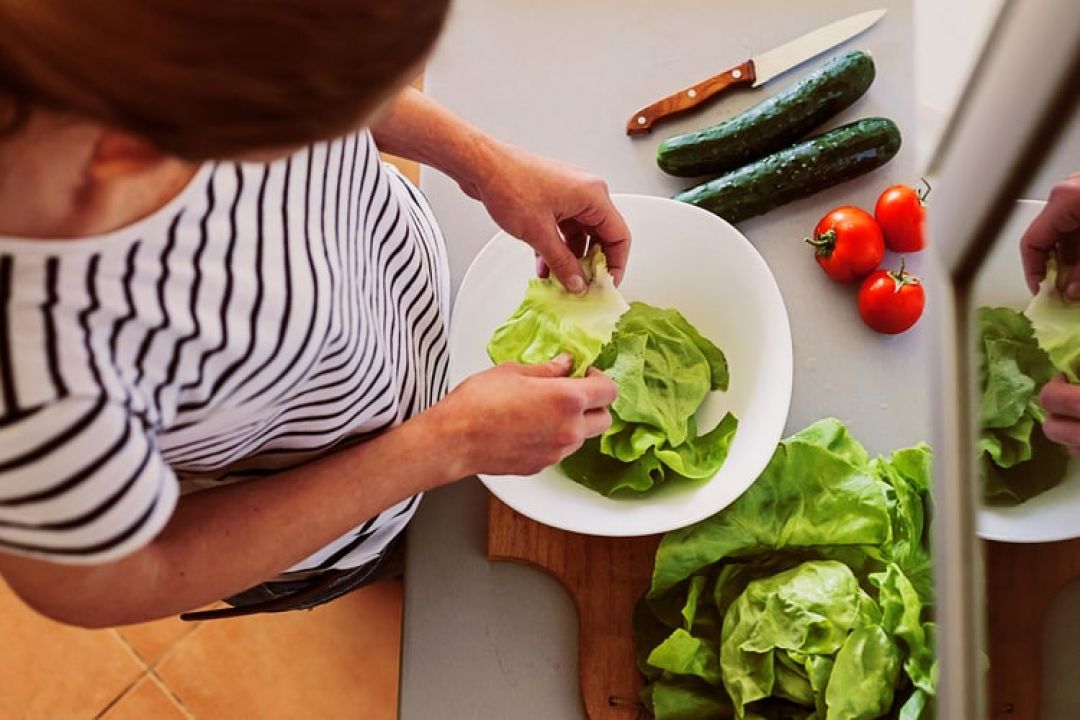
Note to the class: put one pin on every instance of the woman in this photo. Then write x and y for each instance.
(208, 281)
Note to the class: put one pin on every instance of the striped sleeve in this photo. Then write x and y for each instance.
(81, 482)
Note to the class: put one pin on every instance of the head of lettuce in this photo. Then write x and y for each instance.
(808, 598)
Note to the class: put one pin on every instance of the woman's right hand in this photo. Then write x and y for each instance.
(518, 419)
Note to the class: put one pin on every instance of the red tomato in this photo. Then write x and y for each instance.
(891, 302)
(901, 215)
(848, 244)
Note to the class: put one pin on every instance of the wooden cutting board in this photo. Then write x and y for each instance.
(1021, 582)
(605, 577)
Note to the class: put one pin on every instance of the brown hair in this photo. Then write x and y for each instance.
(213, 78)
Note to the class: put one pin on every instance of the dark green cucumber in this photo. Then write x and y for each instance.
(771, 124)
(798, 171)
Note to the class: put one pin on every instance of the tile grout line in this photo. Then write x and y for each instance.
(123, 693)
(131, 648)
(138, 659)
(172, 693)
(151, 670)
(152, 667)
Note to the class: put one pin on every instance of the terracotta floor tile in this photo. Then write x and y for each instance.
(338, 661)
(49, 670)
(153, 639)
(148, 700)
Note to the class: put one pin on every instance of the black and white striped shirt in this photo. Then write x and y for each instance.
(267, 314)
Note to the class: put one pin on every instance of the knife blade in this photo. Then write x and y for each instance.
(756, 71)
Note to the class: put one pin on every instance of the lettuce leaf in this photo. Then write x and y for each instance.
(1057, 325)
(664, 369)
(809, 610)
(551, 320)
(678, 698)
(863, 676)
(1009, 485)
(607, 475)
(814, 589)
(701, 455)
(1013, 370)
(821, 473)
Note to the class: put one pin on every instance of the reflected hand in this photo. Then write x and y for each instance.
(1055, 229)
(1062, 425)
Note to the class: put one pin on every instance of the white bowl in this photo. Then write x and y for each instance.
(688, 259)
(1055, 514)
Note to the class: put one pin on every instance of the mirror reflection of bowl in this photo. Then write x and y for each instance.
(688, 259)
(1055, 514)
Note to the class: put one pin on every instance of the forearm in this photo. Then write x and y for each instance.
(418, 128)
(220, 542)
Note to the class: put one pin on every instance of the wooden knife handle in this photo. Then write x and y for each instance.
(643, 120)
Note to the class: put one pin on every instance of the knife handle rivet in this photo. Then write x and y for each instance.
(641, 120)
(736, 74)
(692, 92)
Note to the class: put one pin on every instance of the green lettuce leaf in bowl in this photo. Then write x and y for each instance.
(552, 320)
(664, 369)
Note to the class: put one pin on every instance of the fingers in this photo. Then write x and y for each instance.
(1064, 431)
(575, 236)
(1058, 397)
(559, 366)
(595, 390)
(609, 227)
(1062, 425)
(1034, 261)
(596, 422)
(1059, 222)
(598, 390)
(559, 258)
(542, 270)
(576, 239)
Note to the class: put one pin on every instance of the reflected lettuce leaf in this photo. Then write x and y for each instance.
(1016, 461)
(1056, 323)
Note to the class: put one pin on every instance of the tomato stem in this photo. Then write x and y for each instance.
(824, 243)
(923, 194)
(901, 278)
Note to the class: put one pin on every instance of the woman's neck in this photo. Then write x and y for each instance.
(52, 186)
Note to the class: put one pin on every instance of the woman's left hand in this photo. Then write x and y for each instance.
(552, 206)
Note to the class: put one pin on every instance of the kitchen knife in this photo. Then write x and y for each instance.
(755, 71)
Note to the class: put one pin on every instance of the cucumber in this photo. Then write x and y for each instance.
(798, 171)
(771, 124)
